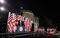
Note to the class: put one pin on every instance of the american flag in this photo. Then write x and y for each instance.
(11, 23)
(21, 18)
(14, 22)
(27, 24)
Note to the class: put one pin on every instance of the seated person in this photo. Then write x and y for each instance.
(41, 29)
(51, 30)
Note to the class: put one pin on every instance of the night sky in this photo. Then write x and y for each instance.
(39, 8)
(44, 9)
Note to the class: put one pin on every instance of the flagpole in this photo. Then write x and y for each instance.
(9, 14)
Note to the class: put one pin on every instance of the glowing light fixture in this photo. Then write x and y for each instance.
(2, 8)
(2, 1)
(20, 28)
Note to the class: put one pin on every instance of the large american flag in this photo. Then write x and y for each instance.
(11, 23)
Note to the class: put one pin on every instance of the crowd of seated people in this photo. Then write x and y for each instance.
(49, 31)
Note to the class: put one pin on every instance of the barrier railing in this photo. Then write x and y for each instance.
(26, 35)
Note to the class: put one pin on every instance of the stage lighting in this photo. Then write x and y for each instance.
(2, 1)
(20, 28)
(2, 9)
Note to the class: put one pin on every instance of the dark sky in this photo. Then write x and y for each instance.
(43, 7)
